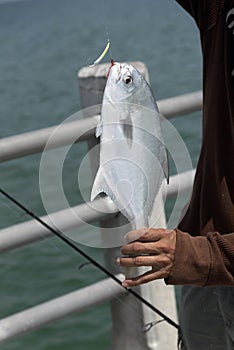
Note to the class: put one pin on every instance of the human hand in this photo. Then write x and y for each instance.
(148, 247)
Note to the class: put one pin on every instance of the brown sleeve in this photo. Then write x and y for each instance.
(203, 260)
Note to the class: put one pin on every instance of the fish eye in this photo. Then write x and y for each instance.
(128, 80)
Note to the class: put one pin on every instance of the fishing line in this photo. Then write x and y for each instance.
(106, 26)
(86, 256)
(108, 44)
(110, 48)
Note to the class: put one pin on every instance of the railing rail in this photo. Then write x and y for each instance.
(32, 142)
(25, 144)
(32, 231)
(181, 105)
(58, 308)
(75, 217)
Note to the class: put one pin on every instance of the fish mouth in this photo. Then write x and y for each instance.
(121, 70)
(118, 67)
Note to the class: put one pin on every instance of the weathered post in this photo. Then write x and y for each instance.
(128, 314)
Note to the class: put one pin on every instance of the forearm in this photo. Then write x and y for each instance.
(203, 260)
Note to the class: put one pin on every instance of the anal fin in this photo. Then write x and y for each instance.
(100, 186)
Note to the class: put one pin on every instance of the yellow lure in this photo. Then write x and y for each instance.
(103, 54)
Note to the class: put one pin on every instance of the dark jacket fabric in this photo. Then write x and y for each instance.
(205, 237)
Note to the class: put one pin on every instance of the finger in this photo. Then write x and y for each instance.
(135, 235)
(137, 248)
(146, 234)
(154, 235)
(145, 278)
(156, 261)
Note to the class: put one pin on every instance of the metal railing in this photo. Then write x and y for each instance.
(75, 217)
(101, 209)
(35, 141)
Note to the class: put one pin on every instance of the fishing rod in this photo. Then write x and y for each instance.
(86, 256)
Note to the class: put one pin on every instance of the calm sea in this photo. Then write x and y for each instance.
(43, 45)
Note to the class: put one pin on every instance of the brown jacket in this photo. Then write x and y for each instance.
(205, 256)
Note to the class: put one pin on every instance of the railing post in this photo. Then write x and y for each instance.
(128, 315)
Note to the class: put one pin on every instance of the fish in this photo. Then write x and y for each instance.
(133, 158)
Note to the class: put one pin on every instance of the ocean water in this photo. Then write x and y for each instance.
(43, 45)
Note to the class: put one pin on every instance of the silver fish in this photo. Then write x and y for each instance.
(133, 159)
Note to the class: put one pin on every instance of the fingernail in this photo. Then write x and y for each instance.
(118, 261)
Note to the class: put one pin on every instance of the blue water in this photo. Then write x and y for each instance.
(43, 45)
